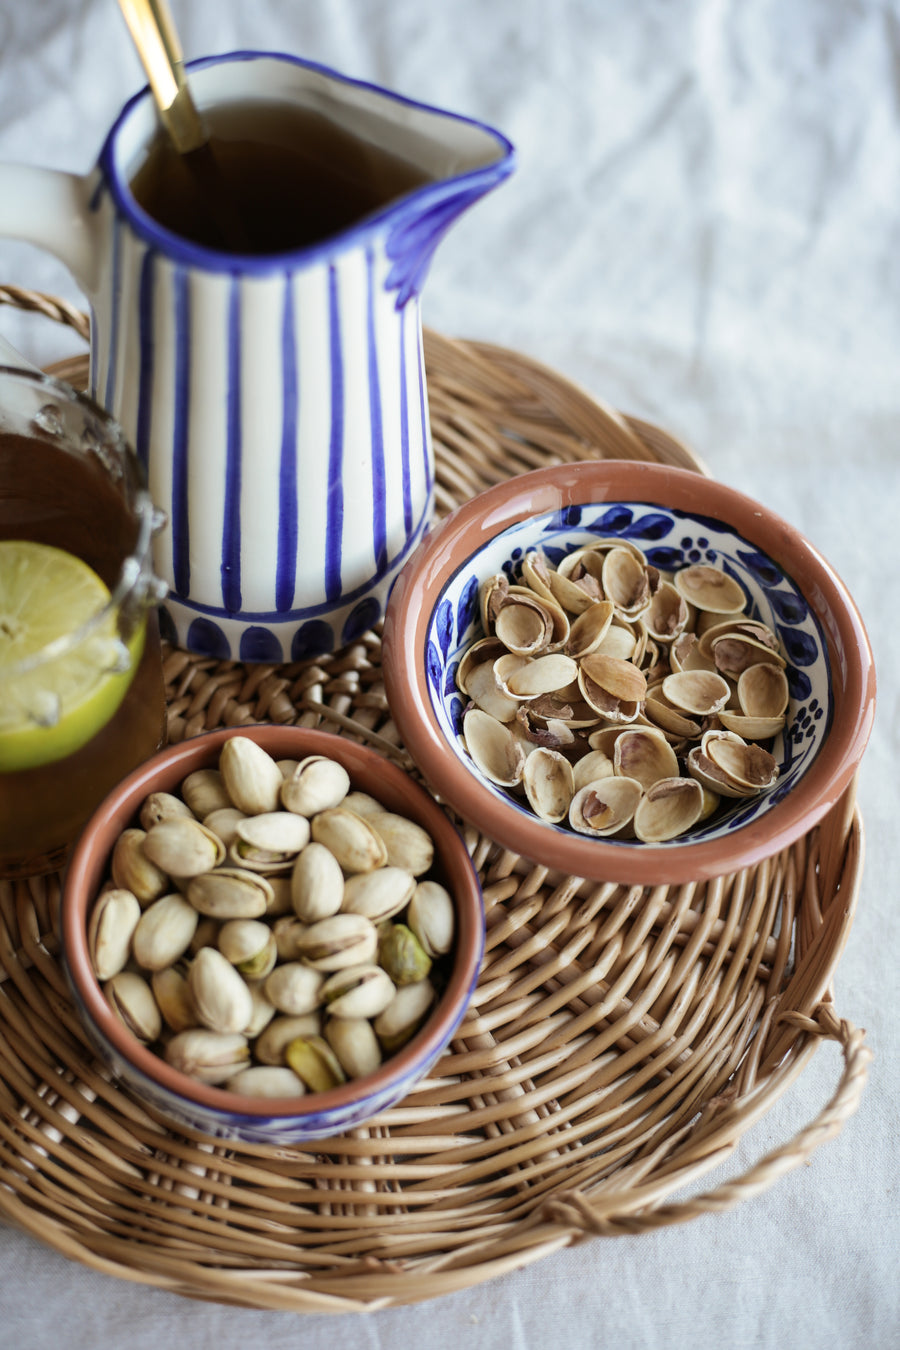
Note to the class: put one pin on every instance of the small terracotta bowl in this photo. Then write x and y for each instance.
(676, 517)
(213, 1111)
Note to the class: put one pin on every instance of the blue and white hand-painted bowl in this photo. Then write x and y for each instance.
(676, 517)
(211, 1111)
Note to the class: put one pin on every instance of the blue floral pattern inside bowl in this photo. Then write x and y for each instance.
(670, 539)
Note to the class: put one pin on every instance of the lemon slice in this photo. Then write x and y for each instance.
(62, 676)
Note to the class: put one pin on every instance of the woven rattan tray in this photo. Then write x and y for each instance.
(620, 1042)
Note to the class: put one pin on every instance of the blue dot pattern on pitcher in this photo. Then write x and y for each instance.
(669, 539)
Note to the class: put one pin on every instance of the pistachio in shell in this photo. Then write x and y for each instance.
(211, 1056)
(113, 920)
(251, 776)
(221, 997)
(164, 932)
(354, 1042)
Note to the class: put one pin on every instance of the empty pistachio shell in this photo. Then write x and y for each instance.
(352, 840)
(164, 932)
(401, 954)
(131, 999)
(162, 806)
(432, 917)
(495, 749)
(293, 988)
(133, 871)
(113, 920)
(173, 998)
(317, 883)
(668, 808)
(211, 1056)
(605, 807)
(403, 1016)
(354, 1042)
(251, 776)
(549, 783)
(204, 791)
(358, 991)
(230, 893)
(645, 754)
(313, 1060)
(380, 894)
(250, 946)
(264, 1080)
(221, 997)
(343, 940)
(182, 847)
(271, 1044)
(317, 784)
(709, 589)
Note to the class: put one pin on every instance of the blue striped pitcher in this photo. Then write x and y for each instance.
(278, 402)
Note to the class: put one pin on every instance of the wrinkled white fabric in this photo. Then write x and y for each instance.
(704, 230)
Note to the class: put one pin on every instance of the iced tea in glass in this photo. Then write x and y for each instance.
(81, 689)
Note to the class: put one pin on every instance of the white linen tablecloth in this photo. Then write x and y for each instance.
(704, 230)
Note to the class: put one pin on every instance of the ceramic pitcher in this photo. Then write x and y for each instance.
(277, 402)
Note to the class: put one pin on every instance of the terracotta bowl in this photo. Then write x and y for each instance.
(676, 517)
(213, 1111)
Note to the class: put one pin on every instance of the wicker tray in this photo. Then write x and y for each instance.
(619, 1045)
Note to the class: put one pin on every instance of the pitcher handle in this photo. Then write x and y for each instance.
(51, 209)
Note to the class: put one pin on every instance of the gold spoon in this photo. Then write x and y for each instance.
(153, 31)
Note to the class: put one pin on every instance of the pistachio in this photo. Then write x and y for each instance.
(280, 903)
(173, 998)
(401, 954)
(204, 791)
(162, 806)
(403, 1016)
(293, 988)
(263, 1080)
(164, 932)
(222, 999)
(408, 845)
(287, 932)
(270, 841)
(263, 1011)
(206, 934)
(352, 840)
(250, 947)
(182, 847)
(131, 999)
(113, 920)
(317, 883)
(316, 784)
(343, 940)
(380, 894)
(133, 871)
(355, 1044)
(358, 991)
(272, 1043)
(230, 893)
(224, 822)
(432, 918)
(251, 776)
(313, 1060)
(211, 1056)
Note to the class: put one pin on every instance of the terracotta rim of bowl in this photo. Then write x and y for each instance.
(369, 772)
(448, 547)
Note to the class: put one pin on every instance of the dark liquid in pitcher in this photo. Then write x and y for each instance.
(271, 178)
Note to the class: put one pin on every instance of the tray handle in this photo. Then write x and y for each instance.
(632, 1211)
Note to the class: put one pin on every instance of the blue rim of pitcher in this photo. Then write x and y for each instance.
(184, 251)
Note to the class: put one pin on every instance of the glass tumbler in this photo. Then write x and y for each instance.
(82, 699)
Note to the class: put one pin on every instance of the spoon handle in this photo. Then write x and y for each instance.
(154, 34)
